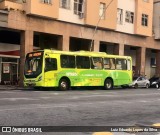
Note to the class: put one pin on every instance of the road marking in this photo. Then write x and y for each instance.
(15, 99)
(53, 93)
(90, 96)
(144, 101)
(45, 97)
(7, 92)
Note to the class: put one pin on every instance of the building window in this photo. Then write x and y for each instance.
(47, 1)
(78, 7)
(129, 17)
(153, 62)
(65, 4)
(144, 20)
(120, 16)
(102, 8)
(146, 0)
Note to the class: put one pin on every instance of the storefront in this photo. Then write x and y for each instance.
(9, 69)
(9, 64)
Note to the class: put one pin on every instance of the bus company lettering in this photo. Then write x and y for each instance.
(88, 75)
(71, 74)
(97, 75)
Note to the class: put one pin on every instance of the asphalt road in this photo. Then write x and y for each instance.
(118, 107)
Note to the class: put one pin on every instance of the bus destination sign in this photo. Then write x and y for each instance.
(35, 54)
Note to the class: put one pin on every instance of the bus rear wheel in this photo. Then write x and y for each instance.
(63, 84)
(108, 84)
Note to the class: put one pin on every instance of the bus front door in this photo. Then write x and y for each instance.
(50, 72)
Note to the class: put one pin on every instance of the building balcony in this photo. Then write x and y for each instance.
(11, 5)
(42, 9)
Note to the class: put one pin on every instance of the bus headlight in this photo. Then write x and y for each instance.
(40, 78)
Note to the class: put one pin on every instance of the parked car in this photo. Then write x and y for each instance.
(154, 82)
(140, 82)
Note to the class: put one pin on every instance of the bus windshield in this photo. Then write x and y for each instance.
(33, 65)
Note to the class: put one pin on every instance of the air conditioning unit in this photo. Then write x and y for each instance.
(81, 15)
(157, 36)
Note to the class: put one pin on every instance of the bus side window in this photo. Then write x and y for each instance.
(128, 64)
(121, 64)
(112, 63)
(67, 61)
(97, 62)
(107, 64)
(50, 64)
(82, 62)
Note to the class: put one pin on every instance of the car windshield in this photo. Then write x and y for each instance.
(154, 78)
(135, 78)
(33, 65)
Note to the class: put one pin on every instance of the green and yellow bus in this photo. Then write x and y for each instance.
(64, 69)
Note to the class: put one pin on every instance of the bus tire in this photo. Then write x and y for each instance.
(108, 84)
(63, 84)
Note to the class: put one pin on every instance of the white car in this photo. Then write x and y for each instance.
(140, 82)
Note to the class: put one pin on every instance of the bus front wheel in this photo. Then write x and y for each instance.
(108, 84)
(63, 84)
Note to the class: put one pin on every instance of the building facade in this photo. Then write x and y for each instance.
(110, 26)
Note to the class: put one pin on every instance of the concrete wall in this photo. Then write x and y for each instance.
(36, 7)
(143, 7)
(92, 13)
(149, 71)
(156, 19)
(8, 47)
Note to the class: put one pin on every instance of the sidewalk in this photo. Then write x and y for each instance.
(12, 87)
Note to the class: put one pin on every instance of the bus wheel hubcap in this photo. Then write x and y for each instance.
(108, 85)
(63, 85)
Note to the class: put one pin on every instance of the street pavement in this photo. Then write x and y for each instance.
(26, 107)
(12, 87)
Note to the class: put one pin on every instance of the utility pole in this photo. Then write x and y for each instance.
(98, 24)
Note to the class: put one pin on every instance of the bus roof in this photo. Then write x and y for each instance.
(82, 52)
